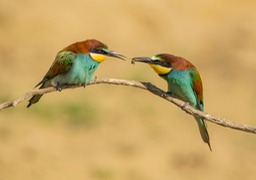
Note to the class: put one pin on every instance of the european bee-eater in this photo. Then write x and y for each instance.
(75, 65)
(184, 82)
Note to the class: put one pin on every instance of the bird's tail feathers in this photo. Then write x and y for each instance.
(203, 131)
(34, 100)
(37, 97)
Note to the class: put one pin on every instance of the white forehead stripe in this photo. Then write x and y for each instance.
(155, 58)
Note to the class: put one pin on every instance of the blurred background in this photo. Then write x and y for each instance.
(106, 132)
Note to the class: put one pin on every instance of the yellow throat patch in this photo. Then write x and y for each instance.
(160, 69)
(98, 57)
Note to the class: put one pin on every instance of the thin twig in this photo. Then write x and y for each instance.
(146, 86)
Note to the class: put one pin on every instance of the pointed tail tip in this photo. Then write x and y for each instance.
(29, 104)
(209, 146)
(34, 100)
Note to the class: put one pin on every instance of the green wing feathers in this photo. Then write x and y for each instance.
(62, 63)
(198, 91)
(198, 88)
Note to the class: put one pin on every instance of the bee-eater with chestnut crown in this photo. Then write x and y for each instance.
(75, 65)
(184, 82)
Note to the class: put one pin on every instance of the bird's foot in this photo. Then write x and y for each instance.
(168, 94)
(58, 87)
(183, 107)
(84, 84)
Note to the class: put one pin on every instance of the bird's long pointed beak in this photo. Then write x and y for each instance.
(116, 55)
(147, 60)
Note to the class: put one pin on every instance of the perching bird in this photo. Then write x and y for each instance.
(184, 82)
(75, 65)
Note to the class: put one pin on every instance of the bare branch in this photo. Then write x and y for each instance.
(146, 86)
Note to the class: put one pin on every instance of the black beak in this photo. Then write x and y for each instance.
(147, 60)
(116, 55)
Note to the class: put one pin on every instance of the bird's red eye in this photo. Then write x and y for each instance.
(99, 51)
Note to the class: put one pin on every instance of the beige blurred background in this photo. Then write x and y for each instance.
(106, 132)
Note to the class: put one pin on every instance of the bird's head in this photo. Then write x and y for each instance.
(100, 53)
(97, 50)
(158, 63)
(163, 63)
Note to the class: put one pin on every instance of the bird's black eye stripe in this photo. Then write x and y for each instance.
(162, 63)
(99, 51)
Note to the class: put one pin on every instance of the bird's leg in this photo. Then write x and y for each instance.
(58, 87)
(84, 84)
(169, 93)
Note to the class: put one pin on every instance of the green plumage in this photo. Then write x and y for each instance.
(182, 84)
(68, 69)
(75, 65)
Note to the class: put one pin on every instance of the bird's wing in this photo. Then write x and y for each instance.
(197, 87)
(61, 64)
(198, 90)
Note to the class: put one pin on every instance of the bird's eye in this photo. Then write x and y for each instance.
(103, 52)
(99, 51)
